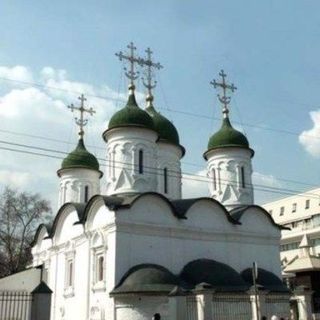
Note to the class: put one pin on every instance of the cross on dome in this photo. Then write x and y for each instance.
(148, 82)
(131, 74)
(224, 99)
(81, 122)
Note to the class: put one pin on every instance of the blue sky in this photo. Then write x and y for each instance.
(269, 49)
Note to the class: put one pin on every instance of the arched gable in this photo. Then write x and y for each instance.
(65, 225)
(150, 207)
(208, 213)
(41, 239)
(97, 213)
(256, 219)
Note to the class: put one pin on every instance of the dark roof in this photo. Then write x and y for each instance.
(46, 226)
(80, 209)
(227, 137)
(237, 214)
(80, 157)
(147, 278)
(266, 279)
(216, 274)
(165, 128)
(42, 288)
(131, 115)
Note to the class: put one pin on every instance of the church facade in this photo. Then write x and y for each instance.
(140, 248)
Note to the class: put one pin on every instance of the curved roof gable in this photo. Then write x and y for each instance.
(79, 208)
(238, 213)
(43, 227)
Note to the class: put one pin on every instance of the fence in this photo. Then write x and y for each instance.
(15, 305)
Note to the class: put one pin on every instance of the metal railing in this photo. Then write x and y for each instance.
(15, 305)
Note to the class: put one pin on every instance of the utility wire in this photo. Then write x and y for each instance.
(157, 171)
(101, 148)
(196, 115)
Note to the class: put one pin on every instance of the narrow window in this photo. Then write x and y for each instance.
(70, 273)
(281, 211)
(307, 204)
(86, 193)
(141, 161)
(214, 177)
(243, 183)
(165, 180)
(294, 207)
(100, 268)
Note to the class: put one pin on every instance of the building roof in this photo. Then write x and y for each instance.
(227, 137)
(219, 276)
(131, 115)
(147, 278)
(201, 274)
(80, 158)
(266, 279)
(165, 128)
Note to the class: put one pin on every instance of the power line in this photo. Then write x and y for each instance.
(101, 148)
(196, 115)
(156, 171)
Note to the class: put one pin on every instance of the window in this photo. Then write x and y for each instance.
(86, 193)
(281, 211)
(165, 180)
(141, 161)
(243, 183)
(214, 178)
(294, 207)
(289, 246)
(307, 204)
(100, 271)
(70, 273)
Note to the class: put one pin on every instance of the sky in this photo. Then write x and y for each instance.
(269, 49)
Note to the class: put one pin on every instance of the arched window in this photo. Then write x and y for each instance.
(165, 180)
(214, 178)
(141, 161)
(86, 193)
(243, 182)
(100, 268)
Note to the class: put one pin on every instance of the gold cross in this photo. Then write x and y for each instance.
(150, 64)
(81, 122)
(224, 99)
(131, 73)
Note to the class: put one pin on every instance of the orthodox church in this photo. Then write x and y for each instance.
(140, 249)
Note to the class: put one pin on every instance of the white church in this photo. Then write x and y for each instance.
(140, 249)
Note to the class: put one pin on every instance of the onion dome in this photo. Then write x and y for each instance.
(80, 157)
(227, 136)
(131, 115)
(165, 128)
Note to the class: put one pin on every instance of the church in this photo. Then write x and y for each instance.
(140, 249)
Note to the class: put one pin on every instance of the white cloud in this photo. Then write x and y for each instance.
(42, 112)
(16, 179)
(19, 73)
(310, 139)
(194, 186)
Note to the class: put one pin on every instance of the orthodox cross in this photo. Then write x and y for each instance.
(224, 99)
(131, 74)
(81, 122)
(150, 64)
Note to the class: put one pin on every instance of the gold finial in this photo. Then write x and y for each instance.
(131, 74)
(148, 83)
(224, 99)
(81, 122)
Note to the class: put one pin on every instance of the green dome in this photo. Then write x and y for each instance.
(80, 158)
(165, 128)
(131, 115)
(227, 136)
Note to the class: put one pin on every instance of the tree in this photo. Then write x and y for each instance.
(20, 215)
